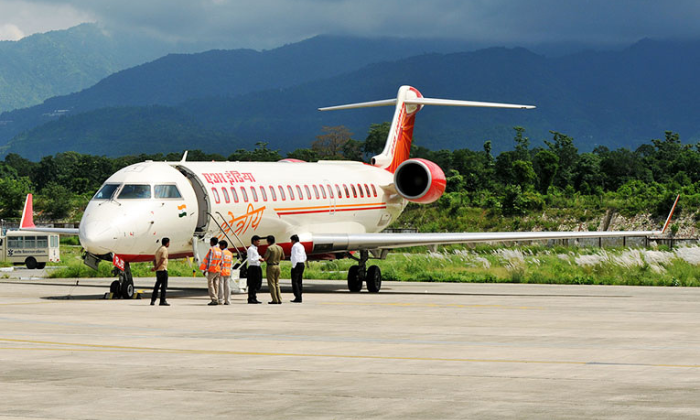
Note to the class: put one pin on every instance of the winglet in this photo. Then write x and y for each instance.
(668, 220)
(27, 214)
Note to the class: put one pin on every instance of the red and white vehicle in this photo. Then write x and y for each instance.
(336, 207)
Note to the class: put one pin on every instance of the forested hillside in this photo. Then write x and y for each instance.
(613, 99)
(545, 188)
(60, 62)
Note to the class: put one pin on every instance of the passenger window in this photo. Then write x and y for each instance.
(227, 199)
(323, 191)
(214, 192)
(330, 190)
(42, 241)
(15, 242)
(308, 192)
(337, 189)
(133, 191)
(244, 194)
(29, 242)
(367, 189)
(281, 189)
(234, 194)
(359, 188)
(255, 194)
(291, 192)
(167, 191)
(106, 192)
(263, 194)
(374, 191)
(347, 192)
(272, 193)
(299, 193)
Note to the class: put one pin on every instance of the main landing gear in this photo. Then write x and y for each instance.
(124, 287)
(360, 273)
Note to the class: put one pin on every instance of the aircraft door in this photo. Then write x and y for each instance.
(202, 201)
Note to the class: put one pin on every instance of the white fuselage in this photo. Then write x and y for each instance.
(142, 203)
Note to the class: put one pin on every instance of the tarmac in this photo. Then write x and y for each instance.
(412, 351)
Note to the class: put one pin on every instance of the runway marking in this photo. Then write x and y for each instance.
(25, 303)
(82, 347)
(432, 305)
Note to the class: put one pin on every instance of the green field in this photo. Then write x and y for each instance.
(484, 264)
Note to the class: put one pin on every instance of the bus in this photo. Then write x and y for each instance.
(29, 248)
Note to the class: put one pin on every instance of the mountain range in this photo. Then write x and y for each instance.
(221, 100)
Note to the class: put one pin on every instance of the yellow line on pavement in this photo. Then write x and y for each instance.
(430, 305)
(82, 347)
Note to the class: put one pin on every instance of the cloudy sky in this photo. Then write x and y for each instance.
(269, 23)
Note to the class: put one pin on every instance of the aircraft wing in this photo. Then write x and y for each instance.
(27, 222)
(367, 241)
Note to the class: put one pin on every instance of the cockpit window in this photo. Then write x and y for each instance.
(166, 191)
(106, 192)
(135, 191)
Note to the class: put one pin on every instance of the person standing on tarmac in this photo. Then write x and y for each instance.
(254, 270)
(225, 279)
(211, 268)
(160, 266)
(273, 255)
(298, 260)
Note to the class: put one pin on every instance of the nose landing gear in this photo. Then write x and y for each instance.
(124, 287)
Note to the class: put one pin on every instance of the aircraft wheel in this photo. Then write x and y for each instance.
(128, 289)
(114, 288)
(30, 262)
(354, 280)
(374, 279)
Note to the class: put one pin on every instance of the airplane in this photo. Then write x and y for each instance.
(337, 208)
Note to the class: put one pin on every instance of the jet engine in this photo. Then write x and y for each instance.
(419, 181)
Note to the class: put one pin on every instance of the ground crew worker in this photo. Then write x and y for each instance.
(160, 266)
(298, 258)
(273, 255)
(254, 270)
(211, 268)
(225, 279)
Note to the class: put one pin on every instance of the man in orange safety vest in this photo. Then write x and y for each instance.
(225, 279)
(211, 268)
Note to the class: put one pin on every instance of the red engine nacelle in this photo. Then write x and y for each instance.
(419, 181)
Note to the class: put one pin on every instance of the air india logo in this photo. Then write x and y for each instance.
(183, 210)
(241, 224)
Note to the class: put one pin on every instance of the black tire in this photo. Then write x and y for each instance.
(114, 288)
(354, 280)
(41, 266)
(374, 279)
(30, 262)
(128, 289)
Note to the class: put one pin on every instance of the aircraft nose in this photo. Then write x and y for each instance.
(98, 237)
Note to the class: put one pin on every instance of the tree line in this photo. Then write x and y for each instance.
(515, 182)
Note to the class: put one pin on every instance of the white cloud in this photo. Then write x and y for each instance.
(20, 18)
(10, 32)
(270, 23)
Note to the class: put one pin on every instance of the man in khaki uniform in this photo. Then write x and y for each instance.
(272, 256)
(160, 266)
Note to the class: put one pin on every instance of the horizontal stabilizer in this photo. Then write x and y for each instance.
(451, 102)
(427, 101)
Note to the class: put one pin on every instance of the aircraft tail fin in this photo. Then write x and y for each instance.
(27, 214)
(408, 102)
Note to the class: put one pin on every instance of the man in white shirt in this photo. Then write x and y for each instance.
(298, 260)
(254, 270)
